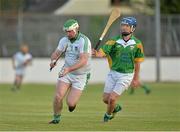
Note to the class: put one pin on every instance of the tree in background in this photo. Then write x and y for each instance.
(10, 5)
(167, 6)
(170, 6)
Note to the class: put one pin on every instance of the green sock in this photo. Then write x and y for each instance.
(57, 117)
(109, 116)
(145, 87)
(131, 90)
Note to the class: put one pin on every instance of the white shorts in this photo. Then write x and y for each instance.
(117, 82)
(76, 81)
(20, 72)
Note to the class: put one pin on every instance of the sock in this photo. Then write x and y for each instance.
(109, 116)
(145, 87)
(71, 109)
(14, 88)
(131, 90)
(57, 117)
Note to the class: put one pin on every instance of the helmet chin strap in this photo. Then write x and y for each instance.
(125, 33)
(128, 33)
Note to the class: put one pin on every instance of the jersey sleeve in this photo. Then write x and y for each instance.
(29, 56)
(15, 55)
(139, 55)
(106, 49)
(85, 45)
(62, 44)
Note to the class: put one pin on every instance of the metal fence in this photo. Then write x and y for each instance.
(42, 32)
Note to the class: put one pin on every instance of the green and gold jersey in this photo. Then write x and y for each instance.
(122, 55)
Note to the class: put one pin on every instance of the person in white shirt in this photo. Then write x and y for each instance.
(76, 71)
(20, 61)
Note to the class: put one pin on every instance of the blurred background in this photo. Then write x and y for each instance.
(39, 24)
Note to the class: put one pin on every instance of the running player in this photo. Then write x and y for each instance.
(76, 71)
(20, 61)
(124, 53)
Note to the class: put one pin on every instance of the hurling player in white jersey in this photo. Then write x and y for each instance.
(76, 70)
(20, 61)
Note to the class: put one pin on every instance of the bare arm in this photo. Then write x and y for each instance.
(28, 62)
(135, 81)
(54, 57)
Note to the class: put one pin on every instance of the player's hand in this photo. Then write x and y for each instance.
(93, 52)
(64, 71)
(25, 63)
(135, 83)
(53, 63)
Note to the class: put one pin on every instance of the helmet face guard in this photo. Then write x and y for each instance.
(70, 24)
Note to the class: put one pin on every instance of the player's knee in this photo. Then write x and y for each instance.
(71, 103)
(58, 97)
(105, 100)
(112, 99)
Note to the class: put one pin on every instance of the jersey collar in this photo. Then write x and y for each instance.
(131, 41)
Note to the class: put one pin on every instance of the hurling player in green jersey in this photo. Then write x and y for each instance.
(124, 53)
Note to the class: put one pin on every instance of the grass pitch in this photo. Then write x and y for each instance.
(31, 109)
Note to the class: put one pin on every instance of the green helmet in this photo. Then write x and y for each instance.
(70, 24)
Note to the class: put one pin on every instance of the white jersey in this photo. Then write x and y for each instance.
(20, 59)
(73, 50)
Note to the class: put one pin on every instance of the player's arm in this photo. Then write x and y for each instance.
(139, 57)
(135, 82)
(28, 60)
(62, 46)
(83, 59)
(54, 57)
(98, 53)
(104, 50)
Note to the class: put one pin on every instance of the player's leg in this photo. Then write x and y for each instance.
(117, 108)
(112, 106)
(110, 99)
(106, 97)
(73, 97)
(113, 97)
(122, 82)
(145, 87)
(108, 88)
(17, 82)
(79, 82)
(14, 87)
(61, 89)
(19, 73)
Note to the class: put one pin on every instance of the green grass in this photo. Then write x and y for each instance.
(31, 109)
